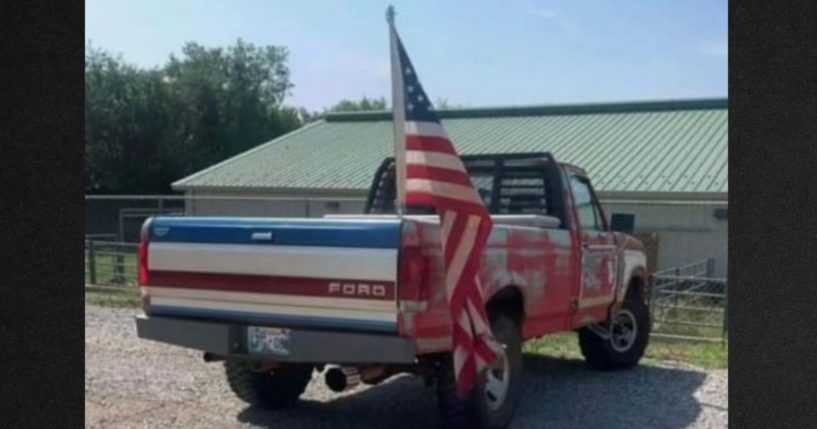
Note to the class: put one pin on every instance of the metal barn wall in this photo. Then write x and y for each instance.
(204, 203)
(687, 232)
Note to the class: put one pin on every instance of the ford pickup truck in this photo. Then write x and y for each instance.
(359, 298)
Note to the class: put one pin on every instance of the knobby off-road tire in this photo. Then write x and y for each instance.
(610, 354)
(476, 410)
(277, 388)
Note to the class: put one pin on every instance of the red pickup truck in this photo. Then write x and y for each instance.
(361, 297)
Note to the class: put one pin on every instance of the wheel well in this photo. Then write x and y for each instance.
(637, 289)
(508, 301)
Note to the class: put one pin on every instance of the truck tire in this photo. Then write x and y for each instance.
(629, 337)
(277, 388)
(484, 407)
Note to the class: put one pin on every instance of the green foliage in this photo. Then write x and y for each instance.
(145, 128)
(364, 104)
(112, 297)
(361, 105)
(445, 104)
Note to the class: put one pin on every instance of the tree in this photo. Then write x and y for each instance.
(364, 104)
(305, 116)
(126, 125)
(445, 104)
(235, 98)
(145, 128)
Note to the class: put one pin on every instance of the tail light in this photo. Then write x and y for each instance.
(413, 269)
(412, 279)
(144, 240)
(142, 268)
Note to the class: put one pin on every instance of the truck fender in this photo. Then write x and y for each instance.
(634, 266)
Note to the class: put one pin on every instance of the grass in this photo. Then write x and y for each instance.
(698, 323)
(704, 354)
(119, 297)
(690, 316)
(115, 279)
(117, 269)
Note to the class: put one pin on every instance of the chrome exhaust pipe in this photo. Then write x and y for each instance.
(340, 378)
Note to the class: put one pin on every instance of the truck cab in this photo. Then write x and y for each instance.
(533, 197)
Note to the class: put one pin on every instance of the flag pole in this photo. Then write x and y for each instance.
(398, 118)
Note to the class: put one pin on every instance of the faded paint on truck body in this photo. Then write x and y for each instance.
(536, 261)
(567, 277)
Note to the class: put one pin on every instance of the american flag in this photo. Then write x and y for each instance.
(430, 172)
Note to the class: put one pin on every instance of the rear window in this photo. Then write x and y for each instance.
(507, 186)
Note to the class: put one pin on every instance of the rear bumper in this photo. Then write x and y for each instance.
(230, 340)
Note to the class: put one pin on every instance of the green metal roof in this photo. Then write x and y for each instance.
(628, 148)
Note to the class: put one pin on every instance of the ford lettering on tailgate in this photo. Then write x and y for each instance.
(357, 289)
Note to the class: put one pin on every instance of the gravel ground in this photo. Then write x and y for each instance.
(132, 383)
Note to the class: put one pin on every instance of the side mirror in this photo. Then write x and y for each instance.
(622, 222)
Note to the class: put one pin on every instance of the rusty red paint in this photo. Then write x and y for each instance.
(530, 260)
(545, 265)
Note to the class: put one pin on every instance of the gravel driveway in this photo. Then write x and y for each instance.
(134, 383)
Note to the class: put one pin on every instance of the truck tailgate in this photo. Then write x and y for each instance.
(313, 273)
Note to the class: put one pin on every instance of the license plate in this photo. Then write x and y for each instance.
(268, 341)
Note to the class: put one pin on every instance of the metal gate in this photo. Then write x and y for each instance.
(687, 303)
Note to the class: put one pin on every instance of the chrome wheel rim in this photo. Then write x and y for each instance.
(497, 381)
(623, 331)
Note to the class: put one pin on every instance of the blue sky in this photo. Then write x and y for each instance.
(475, 53)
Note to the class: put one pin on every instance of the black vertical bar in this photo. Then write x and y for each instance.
(498, 175)
(119, 265)
(651, 297)
(121, 226)
(725, 313)
(92, 261)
